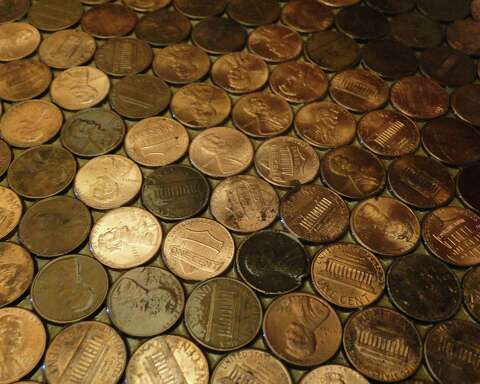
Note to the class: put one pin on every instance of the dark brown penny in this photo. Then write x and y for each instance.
(416, 31)
(254, 12)
(109, 20)
(475, 9)
(382, 344)
(471, 292)
(219, 35)
(444, 10)
(53, 15)
(392, 7)
(353, 172)
(329, 372)
(461, 35)
(5, 157)
(11, 10)
(362, 23)
(307, 15)
(339, 3)
(146, 5)
(468, 186)
(199, 9)
(465, 102)
(275, 43)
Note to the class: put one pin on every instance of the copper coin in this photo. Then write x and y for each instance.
(307, 15)
(453, 235)
(181, 64)
(198, 249)
(252, 363)
(109, 20)
(254, 12)
(392, 7)
(146, 5)
(145, 301)
(175, 192)
(302, 329)
(92, 132)
(23, 340)
(18, 40)
(79, 88)
(156, 141)
(332, 374)
(416, 31)
(475, 9)
(223, 314)
(451, 352)
(471, 294)
(42, 171)
(23, 79)
(139, 96)
(299, 82)
(108, 181)
(382, 344)
(31, 123)
(69, 289)
(353, 172)
(444, 10)
(359, 90)
(461, 35)
(362, 23)
(219, 35)
(53, 15)
(78, 351)
(221, 152)
(11, 210)
(468, 186)
(5, 157)
(199, 9)
(12, 10)
(339, 3)
(275, 43)
(385, 226)
(16, 272)
(419, 97)
(464, 102)
(200, 105)
(388, 133)
(315, 214)
(66, 49)
(181, 361)
(244, 203)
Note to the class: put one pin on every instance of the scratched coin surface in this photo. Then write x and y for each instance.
(200, 9)
(444, 10)
(23, 79)
(464, 103)
(361, 23)
(13, 10)
(218, 35)
(254, 12)
(53, 15)
(471, 292)
(18, 40)
(392, 7)
(307, 15)
(416, 31)
(461, 36)
(146, 5)
(11, 210)
(468, 180)
(5, 156)
(331, 374)
(109, 20)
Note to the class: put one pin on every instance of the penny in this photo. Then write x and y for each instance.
(108, 181)
(156, 141)
(339, 3)
(244, 203)
(79, 88)
(353, 172)
(451, 352)
(11, 210)
(109, 20)
(223, 314)
(18, 40)
(419, 97)
(332, 374)
(42, 171)
(200, 105)
(78, 283)
(16, 272)
(199, 9)
(53, 15)
(79, 350)
(464, 103)
(461, 36)
(471, 294)
(362, 23)
(388, 133)
(218, 35)
(385, 226)
(416, 31)
(146, 5)
(468, 186)
(377, 338)
(181, 64)
(444, 10)
(307, 16)
(31, 123)
(275, 43)
(452, 234)
(23, 340)
(175, 192)
(66, 49)
(475, 9)
(92, 132)
(392, 7)
(123, 56)
(254, 12)
(262, 115)
(302, 329)
(12, 10)
(139, 96)
(5, 156)
(145, 301)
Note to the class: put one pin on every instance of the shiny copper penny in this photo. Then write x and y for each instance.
(146, 5)
(219, 35)
(53, 15)
(18, 40)
(468, 186)
(12, 10)
(42, 171)
(78, 351)
(78, 284)
(416, 31)
(200, 105)
(362, 23)
(16, 272)
(444, 10)
(307, 15)
(199, 9)
(5, 157)
(392, 7)
(31, 123)
(275, 43)
(254, 12)
(221, 152)
(382, 344)
(145, 301)
(359, 90)
(464, 102)
(156, 141)
(223, 314)
(333, 374)
(109, 20)
(453, 235)
(302, 329)
(183, 359)
(471, 292)
(461, 36)
(475, 9)
(11, 210)
(23, 340)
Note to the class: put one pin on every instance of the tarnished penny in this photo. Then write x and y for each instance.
(464, 103)
(302, 329)
(109, 20)
(78, 283)
(79, 88)
(53, 15)
(254, 12)
(78, 351)
(362, 23)
(31, 123)
(223, 314)
(200, 105)
(12, 10)
(392, 7)
(275, 43)
(468, 186)
(5, 157)
(332, 374)
(42, 171)
(199, 9)
(444, 10)
(416, 31)
(156, 141)
(339, 3)
(475, 9)
(307, 15)
(18, 40)
(219, 35)
(471, 292)
(23, 340)
(382, 344)
(184, 362)
(145, 301)
(221, 152)
(286, 161)
(146, 5)
(461, 36)
(11, 210)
